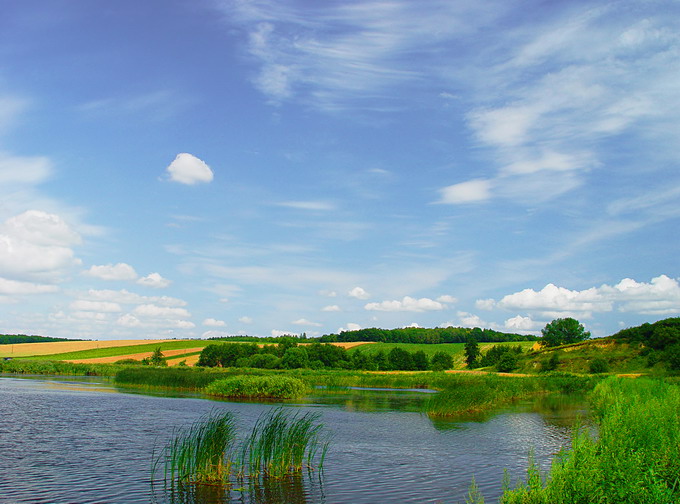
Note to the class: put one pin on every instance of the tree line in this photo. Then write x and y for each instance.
(425, 335)
(15, 339)
(289, 355)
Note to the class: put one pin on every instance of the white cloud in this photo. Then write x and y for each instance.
(155, 311)
(276, 333)
(470, 320)
(129, 320)
(471, 191)
(305, 322)
(23, 170)
(245, 320)
(447, 299)
(211, 322)
(12, 287)
(126, 297)
(154, 280)
(351, 326)
(661, 296)
(519, 323)
(95, 306)
(328, 293)
(189, 170)
(485, 304)
(36, 245)
(358, 293)
(331, 308)
(119, 271)
(407, 304)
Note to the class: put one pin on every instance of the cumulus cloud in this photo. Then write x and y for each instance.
(154, 280)
(485, 304)
(519, 324)
(407, 304)
(661, 296)
(211, 322)
(245, 320)
(276, 333)
(351, 326)
(331, 308)
(471, 320)
(119, 271)
(358, 293)
(36, 245)
(188, 169)
(447, 299)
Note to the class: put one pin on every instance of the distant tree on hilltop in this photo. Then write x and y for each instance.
(563, 331)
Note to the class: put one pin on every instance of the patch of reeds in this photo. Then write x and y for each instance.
(200, 453)
(282, 443)
(635, 457)
(57, 368)
(262, 387)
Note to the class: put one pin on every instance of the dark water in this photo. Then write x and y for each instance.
(86, 442)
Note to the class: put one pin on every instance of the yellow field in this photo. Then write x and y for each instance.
(57, 347)
(138, 356)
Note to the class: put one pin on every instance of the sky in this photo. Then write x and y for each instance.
(201, 168)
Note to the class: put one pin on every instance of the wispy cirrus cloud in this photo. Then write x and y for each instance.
(334, 55)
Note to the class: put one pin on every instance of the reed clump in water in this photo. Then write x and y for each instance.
(201, 453)
(244, 386)
(282, 443)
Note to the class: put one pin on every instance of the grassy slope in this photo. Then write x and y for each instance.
(620, 357)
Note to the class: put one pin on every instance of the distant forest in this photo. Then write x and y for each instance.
(12, 339)
(425, 335)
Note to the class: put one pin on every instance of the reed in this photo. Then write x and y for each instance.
(200, 453)
(267, 387)
(282, 443)
(635, 457)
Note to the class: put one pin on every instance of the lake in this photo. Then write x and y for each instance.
(86, 441)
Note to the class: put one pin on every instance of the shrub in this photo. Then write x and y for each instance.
(507, 362)
(244, 386)
(598, 366)
(441, 361)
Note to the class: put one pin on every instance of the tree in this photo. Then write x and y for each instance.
(472, 352)
(400, 359)
(295, 357)
(507, 362)
(563, 331)
(441, 361)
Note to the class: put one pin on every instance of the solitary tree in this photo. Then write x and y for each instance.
(472, 352)
(563, 331)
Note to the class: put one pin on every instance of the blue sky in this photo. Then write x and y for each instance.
(199, 168)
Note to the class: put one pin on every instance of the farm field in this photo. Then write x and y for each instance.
(108, 352)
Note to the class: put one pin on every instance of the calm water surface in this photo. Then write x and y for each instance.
(65, 441)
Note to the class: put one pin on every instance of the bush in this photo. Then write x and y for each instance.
(507, 363)
(598, 366)
(277, 387)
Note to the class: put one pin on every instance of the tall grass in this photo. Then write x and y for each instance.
(45, 367)
(273, 387)
(634, 459)
(200, 453)
(282, 443)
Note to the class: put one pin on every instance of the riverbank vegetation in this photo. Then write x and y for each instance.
(633, 458)
(260, 387)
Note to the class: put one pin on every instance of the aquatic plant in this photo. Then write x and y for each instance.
(635, 458)
(282, 443)
(244, 386)
(200, 453)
